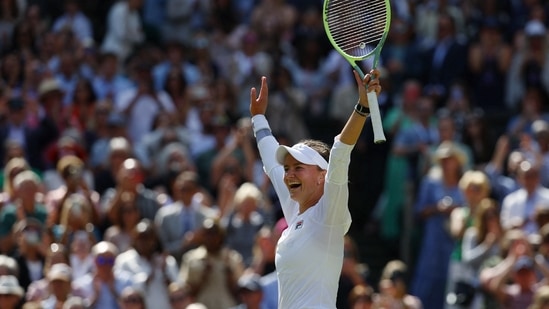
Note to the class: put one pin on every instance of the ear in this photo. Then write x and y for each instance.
(321, 176)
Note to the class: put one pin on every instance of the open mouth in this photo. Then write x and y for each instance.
(294, 186)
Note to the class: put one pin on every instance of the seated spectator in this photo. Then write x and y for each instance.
(11, 292)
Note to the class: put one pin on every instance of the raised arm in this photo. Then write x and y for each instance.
(351, 131)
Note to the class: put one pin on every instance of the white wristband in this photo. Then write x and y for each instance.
(259, 122)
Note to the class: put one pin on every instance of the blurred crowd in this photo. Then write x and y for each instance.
(131, 178)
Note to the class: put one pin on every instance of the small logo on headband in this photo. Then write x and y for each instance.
(299, 225)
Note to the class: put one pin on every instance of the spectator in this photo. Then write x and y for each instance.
(26, 204)
(529, 68)
(47, 129)
(513, 281)
(75, 302)
(178, 222)
(177, 61)
(147, 265)
(131, 298)
(541, 298)
(519, 207)
(212, 270)
(76, 220)
(39, 290)
(244, 219)
(129, 188)
(60, 284)
(502, 168)
(31, 243)
(481, 242)
(442, 64)
(476, 189)
(14, 129)
(101, 287)
(74, 20)
(361, 297)
(11, 169)
(353, 273)
(75, 178)
(122, 39)
(250, 292)
(109, 80)
(119, 232)
(437, 197)
(180, 296)
(489, 59)
(10, 292)
(117, 150)
(394, 288)
(142, 103)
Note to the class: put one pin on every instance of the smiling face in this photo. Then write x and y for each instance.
(305, 182)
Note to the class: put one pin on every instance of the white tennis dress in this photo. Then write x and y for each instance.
(309, 253)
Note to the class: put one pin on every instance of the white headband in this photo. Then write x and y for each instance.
(301, 153)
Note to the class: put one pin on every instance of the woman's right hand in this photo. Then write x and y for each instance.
(258, 103)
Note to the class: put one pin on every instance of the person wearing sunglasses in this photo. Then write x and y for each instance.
(102, 288)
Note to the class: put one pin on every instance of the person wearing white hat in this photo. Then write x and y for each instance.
(10, 292)
(311, 181)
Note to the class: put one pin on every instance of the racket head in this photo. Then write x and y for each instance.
(357, 29)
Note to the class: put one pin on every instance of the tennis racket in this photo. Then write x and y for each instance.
(357, 29)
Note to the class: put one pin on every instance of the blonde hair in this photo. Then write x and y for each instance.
(10, 166)
(71, 203)
(475, 178)
(245, 191)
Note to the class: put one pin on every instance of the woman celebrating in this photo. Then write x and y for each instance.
(311, 184)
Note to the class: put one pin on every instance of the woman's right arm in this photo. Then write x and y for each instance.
(267, 143)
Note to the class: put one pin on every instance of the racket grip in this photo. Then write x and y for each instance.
(375, 116)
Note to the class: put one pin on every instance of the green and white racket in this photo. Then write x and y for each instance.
(357, 29)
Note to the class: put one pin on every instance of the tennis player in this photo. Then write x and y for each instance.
(311, 183)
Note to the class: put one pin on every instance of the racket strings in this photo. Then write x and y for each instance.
(357, 27)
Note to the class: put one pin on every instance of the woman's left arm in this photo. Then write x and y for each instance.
(352, 129)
